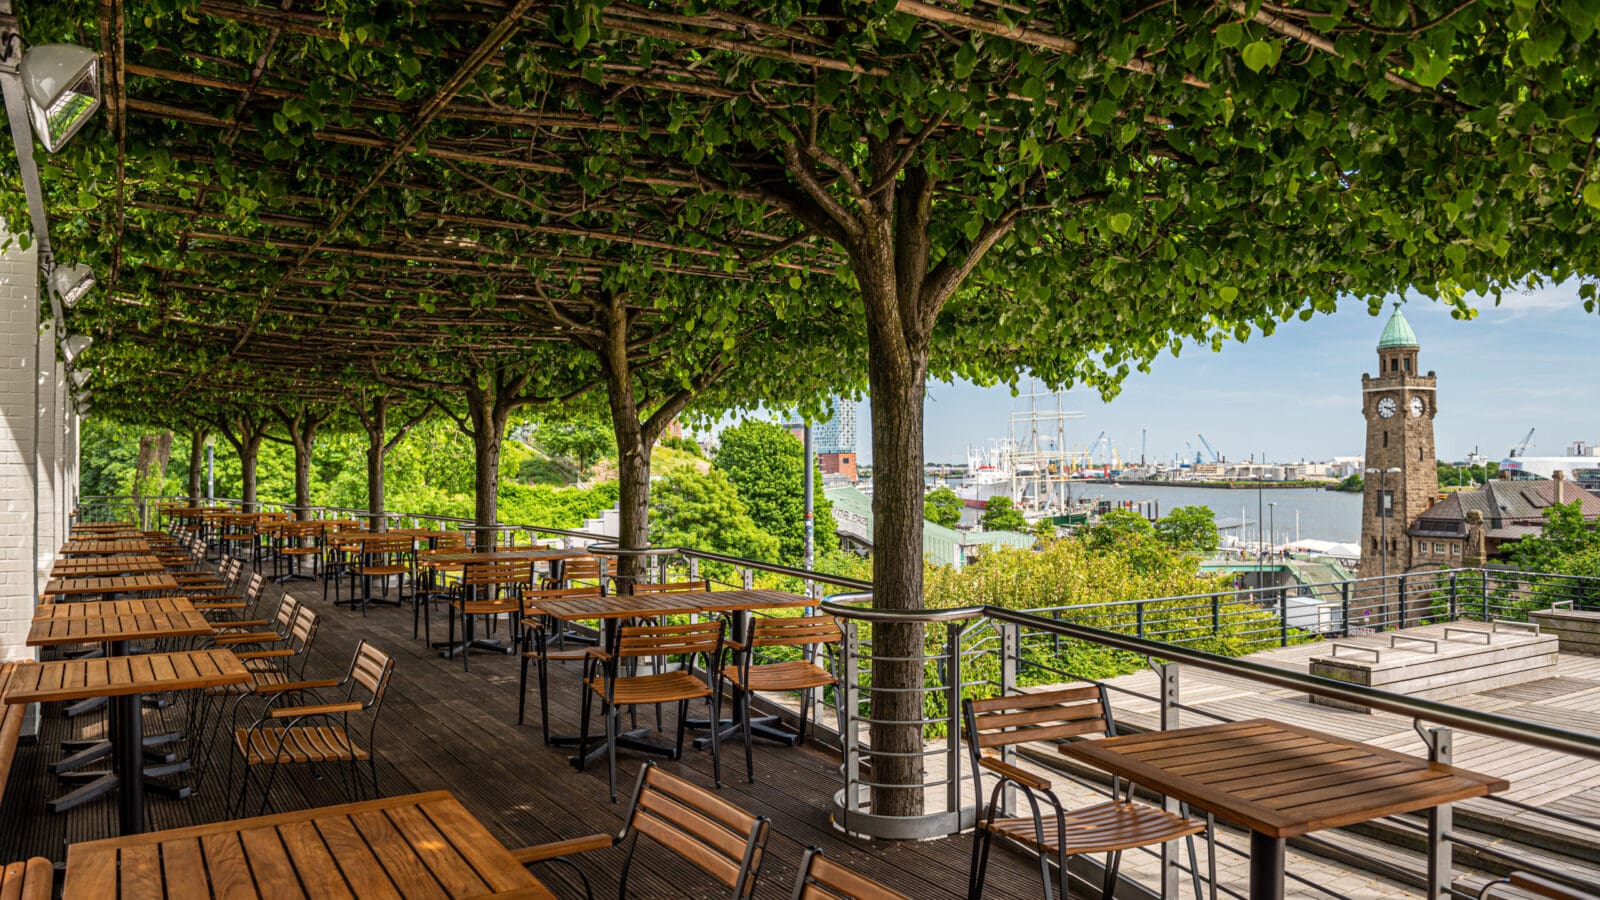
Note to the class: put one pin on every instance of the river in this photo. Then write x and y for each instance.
(1316, 513)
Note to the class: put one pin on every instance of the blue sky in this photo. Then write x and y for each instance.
(1532, 362)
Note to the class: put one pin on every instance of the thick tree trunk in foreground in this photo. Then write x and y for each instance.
(197, 464)
(377, 427)
(897, 387)
(249, 452)
(488, 411)
(302, 478)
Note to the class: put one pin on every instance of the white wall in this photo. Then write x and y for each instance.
(19, 341)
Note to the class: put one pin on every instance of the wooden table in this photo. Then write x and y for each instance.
(111, 625)
(1280, 781)
(108, 586)
(419, 845)
(126, 679)
(96, 608)
(515, 554)
(121, 546)
(130, 564)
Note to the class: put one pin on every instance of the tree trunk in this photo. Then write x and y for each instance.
(488, 430)
(249, 451)
(633, 491)
(377, 428)
(197, 463)
(303, 444)
(897, 386)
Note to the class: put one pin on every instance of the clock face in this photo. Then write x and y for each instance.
(1416, 407)
(1386, 407)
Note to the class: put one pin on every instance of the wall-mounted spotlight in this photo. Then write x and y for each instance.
(71, 282)
(72, 346)
(62, 82)
(79, 376)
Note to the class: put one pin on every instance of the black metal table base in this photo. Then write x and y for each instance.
(767, 728)
(1266, 867)
(637, 739)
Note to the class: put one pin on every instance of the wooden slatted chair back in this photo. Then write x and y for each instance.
(448, 540)
(671, 640)
(490, 573)
(823, 879)
(230, 569)
(304, 629)
(719, 838)
(371, 669)
(532, 598)
(580, 568)
(283, 622)
(254, 589)
(1044, 716)
(672, 587)
(799, 631)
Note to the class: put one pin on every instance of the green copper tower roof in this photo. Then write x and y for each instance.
(1397, 333)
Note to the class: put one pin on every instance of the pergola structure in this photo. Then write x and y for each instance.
(485, 205)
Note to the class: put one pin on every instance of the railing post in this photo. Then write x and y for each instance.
(1283, 617)
(1138, 619)
(1170, 719)
(1483, 578)
(747, 576)
(952, 718)
(1344, 606)
(850, 719)
(1400, 598)
(1010, 655)
(694, 568)
(1216, 614)
(1440, 822)
(1455, 608)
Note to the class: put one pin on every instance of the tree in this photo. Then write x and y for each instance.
(941, 506)
(1353, 483)
(374, 416)
(704, 511)
(245, 429)
(582, 442)
(1189, 528)
(301, 422)
(1118, 527)
(767, 465)
(1000, 514)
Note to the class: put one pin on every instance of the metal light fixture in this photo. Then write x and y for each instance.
(62, 82)
(83, 410)
(83, 397)
(72, 346)
(79, 376)
(71, 282)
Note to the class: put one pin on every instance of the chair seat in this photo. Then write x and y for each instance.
(487, 607)
(569, 654)
(364, 571)
(302, 744)
(32, 879)
(794, 675)
(269, 675)
(1103, 828)
(668, 687)
(300, 551)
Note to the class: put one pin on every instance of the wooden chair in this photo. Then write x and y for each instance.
(248, 634)
(663, 643)
(30, 880)
(430, 582)
(235, 609)
(295, 545)
(536, 641)
(1051, 830)
(672, 587)
(810, 634)
(383, 559)
(318, 732)
(578, 571)
(823, 879)
(488, 589)
(1540, 886)
(720, 839)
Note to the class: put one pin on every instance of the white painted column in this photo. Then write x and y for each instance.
(47, 449)
(19, 341)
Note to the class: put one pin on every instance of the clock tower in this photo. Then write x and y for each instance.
(1399, 403)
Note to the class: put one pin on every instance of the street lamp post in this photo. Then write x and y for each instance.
(1272, 524)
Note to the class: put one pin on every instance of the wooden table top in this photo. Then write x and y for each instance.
(115, 676)
(517, 554)
(103, 526)
(420, 845)
(105, 548)
(1278, 779)
(95, 609)
(624, 606)
(110, 584)
(117, 626)
(125, 564)
(743, 601)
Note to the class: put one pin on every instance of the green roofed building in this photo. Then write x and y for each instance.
(942, 546)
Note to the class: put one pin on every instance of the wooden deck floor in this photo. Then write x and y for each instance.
(445, 729)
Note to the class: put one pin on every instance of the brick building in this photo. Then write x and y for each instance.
(1402, 480)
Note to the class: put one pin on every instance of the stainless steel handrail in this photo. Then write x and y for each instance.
(1517, 730)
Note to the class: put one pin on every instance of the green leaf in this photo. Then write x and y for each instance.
(1121, 222)
(1228, 294)
(1591, 194)
(1259, 54)
(1230, 34)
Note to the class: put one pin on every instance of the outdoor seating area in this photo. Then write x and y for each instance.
(330, 717)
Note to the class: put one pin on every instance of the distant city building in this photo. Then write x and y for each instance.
(838, 464)
(1399, 404)
(1469, 527)
(838, 434)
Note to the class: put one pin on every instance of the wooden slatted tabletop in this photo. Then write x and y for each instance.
(624, 606)
(89, 527)
(419, 845)
(115, 676)
(50, 631)
(518, 554)
(1281, 780)
(137, 546)
(94, 609)
(742, 601)
(112, 584)
(85, 567)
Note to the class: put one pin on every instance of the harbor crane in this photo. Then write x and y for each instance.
(1215, 456)
(1193, 452)
(1522, 448)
